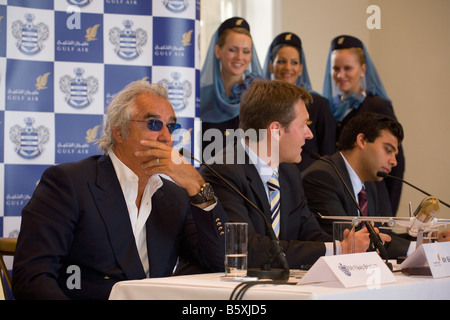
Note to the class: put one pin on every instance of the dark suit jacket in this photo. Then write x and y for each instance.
(300, 234)
(326, 194)
(323, 127)
(78, 216)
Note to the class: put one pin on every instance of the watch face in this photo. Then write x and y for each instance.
(208, 191)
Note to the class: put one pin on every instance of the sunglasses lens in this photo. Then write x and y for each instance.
(154, 125)
(173, 126)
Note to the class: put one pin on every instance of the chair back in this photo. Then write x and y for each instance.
(7, 248)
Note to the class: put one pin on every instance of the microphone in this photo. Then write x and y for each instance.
(374, 236)
(386, 175)
(265, 272)
(424, 214)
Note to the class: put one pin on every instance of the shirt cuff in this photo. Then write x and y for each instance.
(329, 248)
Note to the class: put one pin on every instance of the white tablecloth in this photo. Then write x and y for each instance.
(210, 287)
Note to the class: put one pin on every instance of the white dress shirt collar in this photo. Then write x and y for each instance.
(138, 216)
(357, 184)
(264, 170)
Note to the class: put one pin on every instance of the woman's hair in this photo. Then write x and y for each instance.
(358, 52)
(275, 49)
(223, 35)
(121, 108)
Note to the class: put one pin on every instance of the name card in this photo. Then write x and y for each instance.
(350, 270)
(434, 256)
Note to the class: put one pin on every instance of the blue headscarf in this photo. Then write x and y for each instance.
(371, 82)
(290, 39)
(215, 106)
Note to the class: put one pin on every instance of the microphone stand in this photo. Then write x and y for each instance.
(386, 175)
(266, 272)
(374, 237)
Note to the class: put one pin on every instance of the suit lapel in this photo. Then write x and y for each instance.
(370, 188)
(257, 187)
(342, 168)
(254, 180)
(156, 233)
(340, 165)
(371, 196)
(166, 228)
(108, 196)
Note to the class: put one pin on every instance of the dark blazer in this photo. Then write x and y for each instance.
(323, 127)
(300, 234)
(326, 194)
(78, 216)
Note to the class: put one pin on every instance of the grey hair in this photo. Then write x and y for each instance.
(121, 108)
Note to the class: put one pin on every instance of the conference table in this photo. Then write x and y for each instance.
(211, 286)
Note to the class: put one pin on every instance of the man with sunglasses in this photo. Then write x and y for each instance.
(112, 217)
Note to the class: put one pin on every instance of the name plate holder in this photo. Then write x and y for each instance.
(350, 270)
(430, 259)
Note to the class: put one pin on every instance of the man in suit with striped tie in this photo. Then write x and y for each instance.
(261, 164)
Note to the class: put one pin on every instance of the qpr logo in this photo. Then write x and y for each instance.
(178, 91)
(29, 36)
(127, 43)
(175, 5)
(29, 141)
(344, 269)
(78, 91)
(79, 3)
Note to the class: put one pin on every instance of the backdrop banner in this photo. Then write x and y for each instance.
(61, 63)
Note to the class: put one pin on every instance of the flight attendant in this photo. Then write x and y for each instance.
(353, 86)
(231, 64)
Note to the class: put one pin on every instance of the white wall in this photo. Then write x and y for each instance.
(258, 13)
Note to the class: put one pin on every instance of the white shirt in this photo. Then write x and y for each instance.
(264, 170)
(138, 216)
(357, 184)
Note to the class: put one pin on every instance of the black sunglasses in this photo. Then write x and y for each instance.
(156, 125)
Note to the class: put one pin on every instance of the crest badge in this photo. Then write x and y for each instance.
(29, 36)
(79, 3)
(175, 5)
(127, 43)
(78, 91)
(29, 141)
(178, 91)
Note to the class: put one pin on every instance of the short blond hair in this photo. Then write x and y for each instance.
(266, 101)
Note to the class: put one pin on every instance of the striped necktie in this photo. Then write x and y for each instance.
(274, 199)
(363, 203)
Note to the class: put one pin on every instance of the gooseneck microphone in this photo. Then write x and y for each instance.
(386, 175)
(374, 236)
(265, 272)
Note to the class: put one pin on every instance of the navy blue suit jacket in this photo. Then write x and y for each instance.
(301, 236)
(78, 216)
